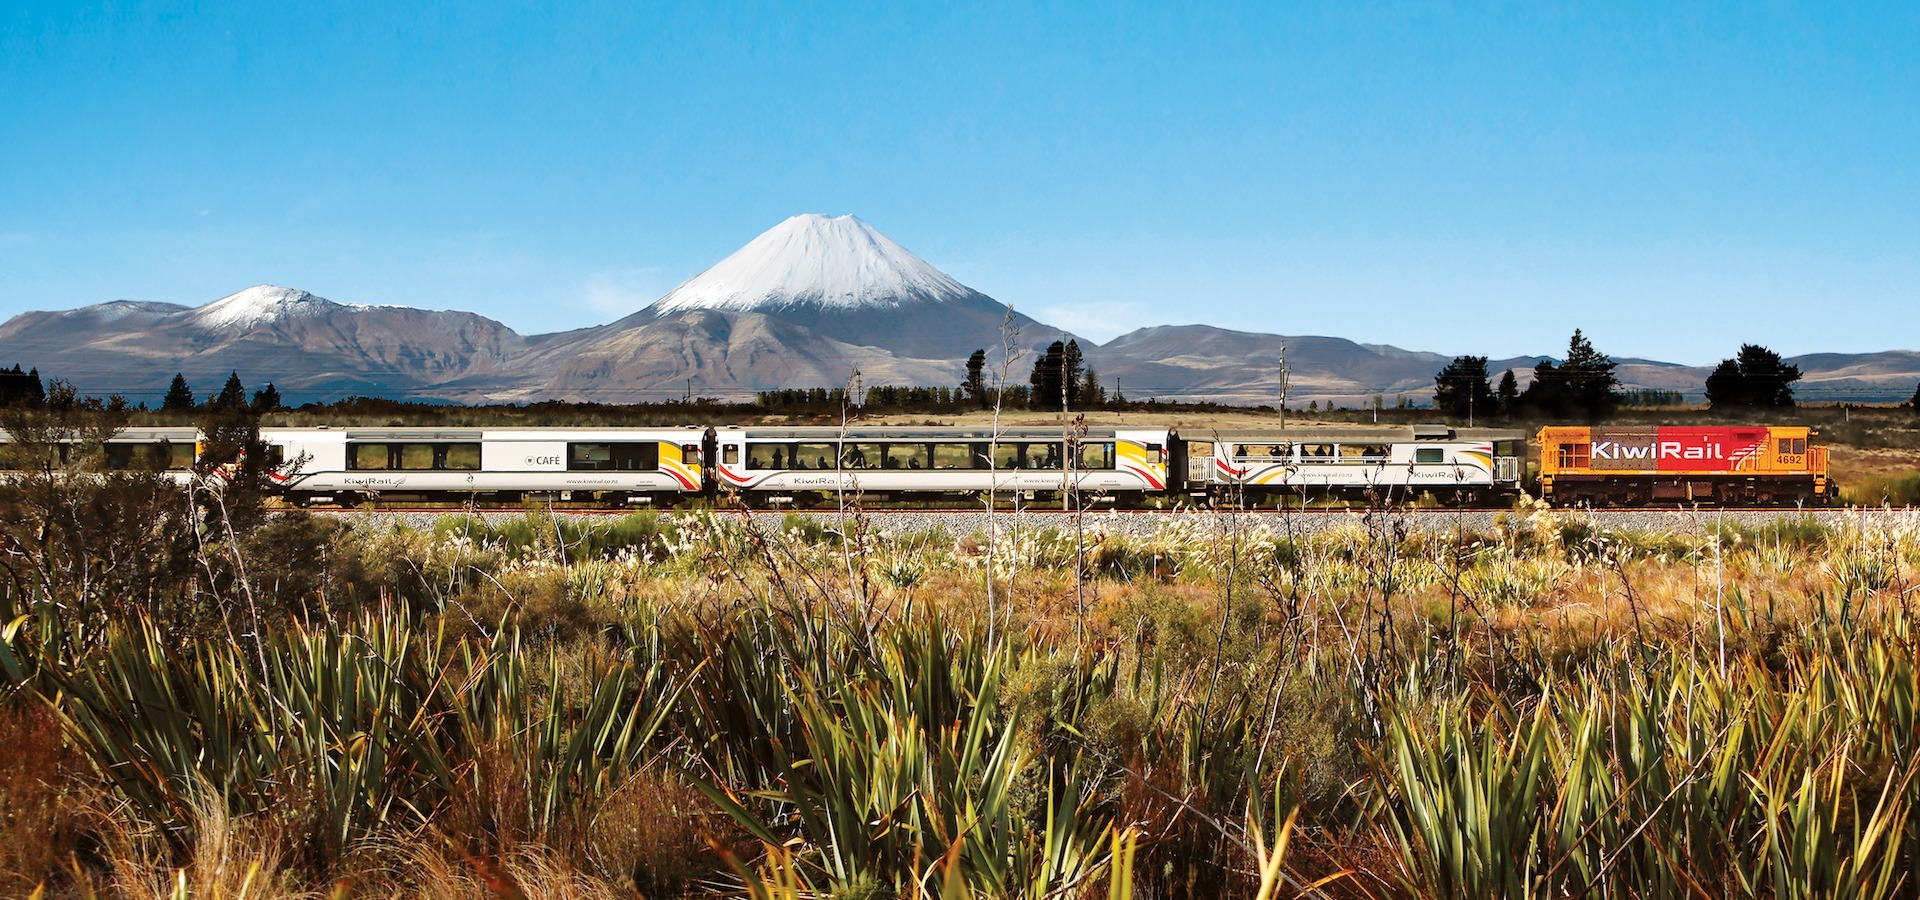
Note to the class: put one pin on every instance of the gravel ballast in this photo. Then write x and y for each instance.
(1145, 522)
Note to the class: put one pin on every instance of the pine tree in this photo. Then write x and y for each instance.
(18, 388)
(1045, 379)
(267, 399)
(1091, 393)
(231, 449)
(976, 383)
(1583, 385)
(1592, 389)
(1915, 402)
(1756, 378)
(1072, 364)
(1508, 394)
(179, 397)
(1460, 390)
(232, 396)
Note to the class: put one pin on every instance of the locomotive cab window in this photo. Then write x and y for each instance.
(1793, 446)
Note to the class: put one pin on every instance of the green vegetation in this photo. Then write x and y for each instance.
(555, 706)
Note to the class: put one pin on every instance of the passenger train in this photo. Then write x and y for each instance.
(775, 466)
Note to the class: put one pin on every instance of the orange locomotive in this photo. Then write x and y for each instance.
(1632, 466)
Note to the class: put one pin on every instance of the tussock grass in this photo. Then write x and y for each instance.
(545, 708)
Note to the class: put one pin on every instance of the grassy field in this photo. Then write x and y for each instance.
(632, 707)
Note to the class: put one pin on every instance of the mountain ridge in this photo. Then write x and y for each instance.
(807, 303)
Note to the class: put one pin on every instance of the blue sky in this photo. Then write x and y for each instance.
(1674, 179)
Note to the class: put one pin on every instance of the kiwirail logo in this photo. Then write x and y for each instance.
(1676, 449)
(1615, 450)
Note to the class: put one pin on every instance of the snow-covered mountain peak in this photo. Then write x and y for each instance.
(261, 304)
(835, 262)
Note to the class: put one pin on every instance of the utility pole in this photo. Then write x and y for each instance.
(1285, 379)
(1065, 438)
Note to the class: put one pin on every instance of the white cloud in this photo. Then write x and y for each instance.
(622, 291)
(1101, 320)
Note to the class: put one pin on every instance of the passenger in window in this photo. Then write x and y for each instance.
(779, 458)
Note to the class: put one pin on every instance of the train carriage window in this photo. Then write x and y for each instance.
(636, 456)
(1429, 455)
(730, 454)
(860, 456)
(416, 456)
(1316, 451)
(956, 456)
(689, 455)
(814, 456)
(766, 456)
(589, 457)
(126, 456)
(1575, 456)
(367, 456)
(461, 457)
(1043, 456)
(1007, 456)
(1096, 456)
(909, 456)
(1363, 453)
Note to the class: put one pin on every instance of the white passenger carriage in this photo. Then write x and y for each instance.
(1390, 464)
(169, 451)
(608, 465)
(771, 466)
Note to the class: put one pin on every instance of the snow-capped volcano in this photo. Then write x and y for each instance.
(264, 303)
(828, 262)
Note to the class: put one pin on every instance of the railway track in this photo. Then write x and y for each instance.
(1146, 522)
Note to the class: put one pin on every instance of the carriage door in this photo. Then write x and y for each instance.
(728, 459)
(1199, 462)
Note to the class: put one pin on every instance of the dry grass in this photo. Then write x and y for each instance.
(1209, 668)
